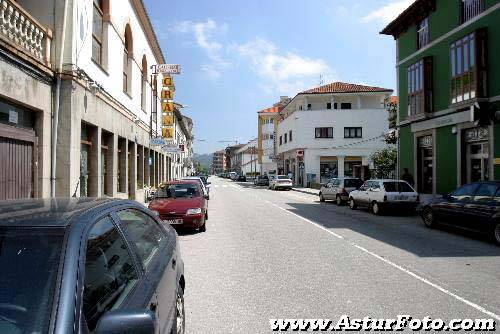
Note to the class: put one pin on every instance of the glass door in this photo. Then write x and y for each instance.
(478, 162)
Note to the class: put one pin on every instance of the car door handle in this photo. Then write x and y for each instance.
(153, 306)
(174, 262)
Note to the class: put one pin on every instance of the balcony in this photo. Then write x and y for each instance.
(20, 30)
(470, 9)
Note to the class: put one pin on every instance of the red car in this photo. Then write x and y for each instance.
(181, 203)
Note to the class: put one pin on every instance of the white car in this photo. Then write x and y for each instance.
(380, 195)
(280, 182)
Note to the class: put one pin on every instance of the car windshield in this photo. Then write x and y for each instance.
(283, 177)
(395, 186)
(181, 190)
(353, 183)
(29, 258)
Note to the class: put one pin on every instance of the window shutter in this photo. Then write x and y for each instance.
(428, 98)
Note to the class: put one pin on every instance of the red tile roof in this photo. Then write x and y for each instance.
(342, 87)
(270, 110)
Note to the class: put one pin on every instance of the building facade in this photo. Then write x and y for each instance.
(232, 164)
(78, 122)
(449, 90)
(246, 159)
(219, 162)
(331, 131)
(267, 121)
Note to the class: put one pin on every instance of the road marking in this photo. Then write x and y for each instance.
(224, 185)
(216, 185)
(392, 264)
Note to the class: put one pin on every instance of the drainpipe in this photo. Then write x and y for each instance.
(55, 118)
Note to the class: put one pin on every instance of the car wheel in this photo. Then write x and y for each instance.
(352, 204)
(376, 208)
(497, 234)
(339, 200)
(428, 217)
(321, 198)
(180, 314)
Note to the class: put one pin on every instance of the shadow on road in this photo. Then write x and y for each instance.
(406, 233)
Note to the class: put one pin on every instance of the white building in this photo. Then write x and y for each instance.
(331, 131)
(266, 139)
(246, 158)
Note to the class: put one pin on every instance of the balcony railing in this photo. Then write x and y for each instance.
(471, 8)
(19, 28)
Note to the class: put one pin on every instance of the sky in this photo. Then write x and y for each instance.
(239, 57)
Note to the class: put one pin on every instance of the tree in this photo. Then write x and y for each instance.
(392, 110)
(385, 161)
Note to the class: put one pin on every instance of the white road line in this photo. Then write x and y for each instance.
(406, 271)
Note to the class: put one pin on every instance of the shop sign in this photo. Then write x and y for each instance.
(167, 133)
(167, 106)
(168, 68)
(157, 141)
(476, 134)
(167, 94)
(425, 141)
(167, 119)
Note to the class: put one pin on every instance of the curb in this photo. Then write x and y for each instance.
(305, 191)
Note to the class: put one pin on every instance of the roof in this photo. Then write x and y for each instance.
(270, 110)
(48, 211)
(342, 87)
(417, 11)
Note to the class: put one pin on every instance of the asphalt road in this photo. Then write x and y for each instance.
(283, 254)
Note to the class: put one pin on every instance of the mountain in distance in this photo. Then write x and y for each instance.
(204, 159)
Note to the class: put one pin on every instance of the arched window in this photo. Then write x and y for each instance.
(144, 82)
(127, 60)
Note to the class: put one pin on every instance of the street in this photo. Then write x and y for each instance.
(283, 254)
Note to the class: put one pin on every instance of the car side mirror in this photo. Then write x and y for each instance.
(127, 321)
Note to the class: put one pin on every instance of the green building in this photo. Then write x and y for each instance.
(448, 70)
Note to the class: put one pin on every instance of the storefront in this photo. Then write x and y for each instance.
(476, 154)
(425, 164)
(328, 169)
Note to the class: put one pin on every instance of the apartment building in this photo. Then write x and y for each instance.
(449, 91)
(331, 131)
(267, 120)
(219, 162)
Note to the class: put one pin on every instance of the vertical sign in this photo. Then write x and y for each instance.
(167, 109)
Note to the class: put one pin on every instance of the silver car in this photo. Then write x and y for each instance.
(338, 189)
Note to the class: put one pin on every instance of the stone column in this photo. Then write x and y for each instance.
(146, 167)
(95, 174)
(340, 165)
(112, 167)
(132, 169)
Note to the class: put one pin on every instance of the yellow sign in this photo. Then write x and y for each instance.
(167, 106)
(167, 94)
(496, 161)
(168, 119)
(167, 132)
(168, 81)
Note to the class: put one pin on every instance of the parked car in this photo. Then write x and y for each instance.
(181, 203)
(474, 206)
(241, 178)
(261, 180)
(280, 182)
(380, 195)
(338, 189)
(88, 265)
(204, 186)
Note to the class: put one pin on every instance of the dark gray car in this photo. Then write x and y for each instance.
(338, 189)
(88, 265)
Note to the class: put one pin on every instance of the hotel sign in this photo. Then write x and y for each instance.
(168, 68)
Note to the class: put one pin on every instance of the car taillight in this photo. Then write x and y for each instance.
(385, 198)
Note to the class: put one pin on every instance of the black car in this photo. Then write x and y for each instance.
(88, 265)
(241, 178)
(474, 206)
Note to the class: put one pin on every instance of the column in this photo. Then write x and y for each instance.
(146, 168)
(95, 189)
(112, 168)
(132, 169)
(340, 165)
(123, 165)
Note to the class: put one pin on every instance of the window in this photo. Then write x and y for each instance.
(281, 140)
(485, 192)
(271, 136)
(127, 62)
(329, 105)
(470, 8)
(468, 67)
(144, 82)
(109, 271)
(309, 107)
(420, 87)
(402, 187)
(464, 192)
(290, 135)
(324, 132)
(97, 32)
(144, 232)
(423, 33)
(335, 106)
(345, 106)
(286, 138)
(353, 132)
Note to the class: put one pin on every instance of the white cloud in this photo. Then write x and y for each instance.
(388, 12)
(205, 34)
(281, 72)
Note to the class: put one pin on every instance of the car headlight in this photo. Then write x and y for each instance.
(195, 211)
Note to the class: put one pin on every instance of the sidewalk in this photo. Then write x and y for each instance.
(309, 191)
